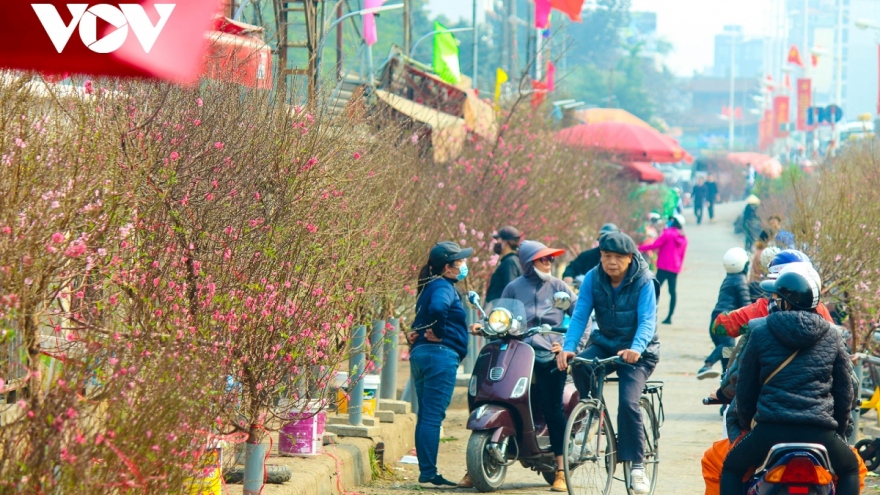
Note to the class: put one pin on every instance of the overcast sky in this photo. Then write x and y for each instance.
(689, 24)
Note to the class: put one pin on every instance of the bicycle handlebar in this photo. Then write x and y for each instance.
(596, 361)
(709, 401)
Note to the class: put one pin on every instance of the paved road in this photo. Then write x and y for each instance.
(690, 427)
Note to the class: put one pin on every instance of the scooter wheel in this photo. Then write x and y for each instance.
(485, 472)
(869, 453)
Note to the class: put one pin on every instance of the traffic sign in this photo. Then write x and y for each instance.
(827, 115)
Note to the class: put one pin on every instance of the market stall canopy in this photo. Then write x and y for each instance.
(627, 142)
(597, 115)
(764, 164)
(137, 39)
(645, 172)
(448, 132)
(237, 53)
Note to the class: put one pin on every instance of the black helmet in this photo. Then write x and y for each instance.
(796, 288)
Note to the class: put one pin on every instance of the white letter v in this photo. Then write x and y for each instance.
(54, 26)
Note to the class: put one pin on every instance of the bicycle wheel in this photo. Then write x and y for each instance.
(652, 437)
(589, 451)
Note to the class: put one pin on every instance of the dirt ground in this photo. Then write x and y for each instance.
(690, 427)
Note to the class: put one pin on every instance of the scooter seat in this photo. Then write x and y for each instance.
(780, 450)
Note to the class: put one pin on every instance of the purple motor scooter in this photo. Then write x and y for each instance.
(507, 424)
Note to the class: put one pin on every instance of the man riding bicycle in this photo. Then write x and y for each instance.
(623, 292)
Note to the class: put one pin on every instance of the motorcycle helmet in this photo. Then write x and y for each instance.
(677, 220)
(767, 256)
(785, 257)
(796, 288)
(735, 260)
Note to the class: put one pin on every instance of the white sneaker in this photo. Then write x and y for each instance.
(640, 482)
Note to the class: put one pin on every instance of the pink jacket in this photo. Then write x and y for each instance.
(671, 246)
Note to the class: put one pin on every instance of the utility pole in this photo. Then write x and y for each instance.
(806, 58)
(406, 27)
(476, 46)
(731, 125)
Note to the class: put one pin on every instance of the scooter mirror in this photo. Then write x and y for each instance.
(474, 298)
(561, 300)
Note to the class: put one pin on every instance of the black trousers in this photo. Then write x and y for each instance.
(711, 210)
(549, 387)
(698, 210)
(672, 278)
(753, 448)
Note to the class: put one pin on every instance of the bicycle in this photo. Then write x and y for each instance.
(590, 448)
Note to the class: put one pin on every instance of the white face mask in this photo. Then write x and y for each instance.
(543, 276)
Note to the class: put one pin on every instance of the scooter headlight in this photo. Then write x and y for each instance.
(472, 386)
(520, 389)
(500, 321)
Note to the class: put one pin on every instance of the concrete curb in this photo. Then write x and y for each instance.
(347, 462)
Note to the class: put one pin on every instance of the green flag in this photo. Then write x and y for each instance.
(446, 55)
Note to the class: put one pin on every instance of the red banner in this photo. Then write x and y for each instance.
(780, 116)
(765, 130)
(804, 96)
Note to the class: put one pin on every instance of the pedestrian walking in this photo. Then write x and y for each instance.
(733, 294)
(439, 343)
(751, 221)
(700, 196)
(509, 267)
(712, 196)
(671, 247)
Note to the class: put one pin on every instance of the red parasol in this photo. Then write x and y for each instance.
(136, 39)
(628, 142)
(645, 171)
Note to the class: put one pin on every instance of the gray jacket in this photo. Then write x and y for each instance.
(537, 296)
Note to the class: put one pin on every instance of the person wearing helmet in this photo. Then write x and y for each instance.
(735, 323)
(734, 294)
(795, 385)
(671, 247)
(715, 455)
(586, 260)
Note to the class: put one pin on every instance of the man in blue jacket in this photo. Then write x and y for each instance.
(623, 292)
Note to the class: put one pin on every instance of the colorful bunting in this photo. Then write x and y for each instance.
(371, 36)
(500, 78)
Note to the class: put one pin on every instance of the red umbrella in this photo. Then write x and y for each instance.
(626, 141)
(645, 172)
(135, 39)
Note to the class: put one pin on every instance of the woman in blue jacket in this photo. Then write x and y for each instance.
(439, 346)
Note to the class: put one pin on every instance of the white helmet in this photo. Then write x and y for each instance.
(735, 260)
(767, 256)
(680, 219)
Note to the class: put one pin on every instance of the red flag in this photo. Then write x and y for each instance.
(814, 59)
(551, 77)
(738, 113)
(148, 38)
(539, 93)
(542, 13)
(794, 56)
(787, 83)
(571, 8)
(725, 111)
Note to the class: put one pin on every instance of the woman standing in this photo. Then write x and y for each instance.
(670, 247)
(440, 343)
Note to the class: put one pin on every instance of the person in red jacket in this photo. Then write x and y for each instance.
(735, 323)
